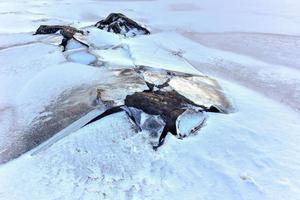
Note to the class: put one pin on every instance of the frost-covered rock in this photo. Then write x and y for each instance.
(121, 24)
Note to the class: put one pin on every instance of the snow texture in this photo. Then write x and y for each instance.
(250, 47)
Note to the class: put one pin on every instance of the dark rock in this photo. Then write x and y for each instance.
(45, 29)
(167, 104)
(67, 32)
(121, 24)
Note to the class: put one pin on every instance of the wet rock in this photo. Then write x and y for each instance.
(169, 105)
(67, 32)
(121, 24)
(118, 84)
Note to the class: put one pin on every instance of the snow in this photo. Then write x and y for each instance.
(250, 47)
(16, 72)
(49, 83)
(232, 157)
(102, 39)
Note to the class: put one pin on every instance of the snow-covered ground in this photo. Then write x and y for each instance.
(251, 48)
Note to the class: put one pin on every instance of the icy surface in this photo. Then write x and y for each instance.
(153, 124)
(189, 122)
(102, 39)
(82, 57)
(253, 153)
(149, 51)
(233, 157)
(116, 57)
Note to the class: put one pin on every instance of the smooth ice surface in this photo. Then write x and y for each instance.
(82, 57)
(150, 51)
(116, 57)
(101, 39)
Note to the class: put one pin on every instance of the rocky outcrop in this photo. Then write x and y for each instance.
(167, 104)
(121, 24)
(158, 101)
(170, 99)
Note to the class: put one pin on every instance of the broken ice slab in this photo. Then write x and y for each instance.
(118, 57)
(73, 44)
(201, 90)
(100, 39)
(82, 57)
(156, 77)
(148, 52)
(189, 122)
(151, 124)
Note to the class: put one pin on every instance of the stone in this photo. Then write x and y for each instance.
(67, 32)
(169, 105)
(121, 24)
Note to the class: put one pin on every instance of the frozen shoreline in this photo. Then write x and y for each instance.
(252, 49)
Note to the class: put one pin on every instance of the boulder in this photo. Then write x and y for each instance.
(169, 105)
(66, 31)
(121, 24)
